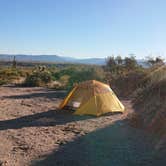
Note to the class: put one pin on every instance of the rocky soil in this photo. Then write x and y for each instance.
(34, 132)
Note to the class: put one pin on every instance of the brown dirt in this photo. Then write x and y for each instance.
(32, 132)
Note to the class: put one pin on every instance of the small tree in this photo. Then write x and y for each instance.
(158, 61)
(130, 63)
(119, 60)
(111, 64)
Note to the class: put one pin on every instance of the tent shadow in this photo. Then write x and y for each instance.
(48, 94)
(49, 118)
(114, 145)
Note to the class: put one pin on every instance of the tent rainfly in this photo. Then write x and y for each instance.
(92, 98)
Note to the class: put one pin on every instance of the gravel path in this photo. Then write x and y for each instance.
(32, 132)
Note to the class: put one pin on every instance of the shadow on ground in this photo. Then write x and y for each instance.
(49, 118)
(115, 145)
(48, 94)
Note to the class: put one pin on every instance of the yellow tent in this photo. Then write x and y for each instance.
(92, 98)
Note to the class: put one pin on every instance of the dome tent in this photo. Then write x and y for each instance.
(92, 98)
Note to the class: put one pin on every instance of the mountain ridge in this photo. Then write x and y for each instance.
(51, 58)
(58, 59)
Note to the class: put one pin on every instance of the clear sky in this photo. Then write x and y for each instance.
(83, 28)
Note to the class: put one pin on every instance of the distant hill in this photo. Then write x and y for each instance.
(51, 58)
(58, 59)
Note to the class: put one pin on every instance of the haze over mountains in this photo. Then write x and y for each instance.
(57, 59)
(51, 58)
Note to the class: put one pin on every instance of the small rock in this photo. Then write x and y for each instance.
(3, 163)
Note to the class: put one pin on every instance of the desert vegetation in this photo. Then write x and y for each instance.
(124, 75)
(149, 103)
(58, 76)
(147, 89)
(9, 75)
(39, 87)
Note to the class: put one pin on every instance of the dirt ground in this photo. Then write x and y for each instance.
(33, 132)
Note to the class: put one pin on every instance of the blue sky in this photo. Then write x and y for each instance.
(83, 28)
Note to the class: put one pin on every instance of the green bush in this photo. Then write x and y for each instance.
(8, 75)
(78, 73)
(86, 74)
(2, 82)
(38, 78)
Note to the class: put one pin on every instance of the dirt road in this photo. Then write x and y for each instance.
(32, 132)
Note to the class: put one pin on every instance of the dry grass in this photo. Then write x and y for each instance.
(150, 104)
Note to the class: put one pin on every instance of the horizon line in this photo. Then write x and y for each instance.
(112, 55)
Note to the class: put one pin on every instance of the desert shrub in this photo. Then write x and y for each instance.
(116, 65)
(124, 84)
(8, 75)
(64, 80)
(75, 74)
(150, 103)
(2, 82)
(111, 64)
(157, 61)
(86, 74)
(39, 77)
(155, 84)
(130, 63)
(124, 75)
(69, 71)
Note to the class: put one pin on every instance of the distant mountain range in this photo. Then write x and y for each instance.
(57, 59)
(51, 58)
